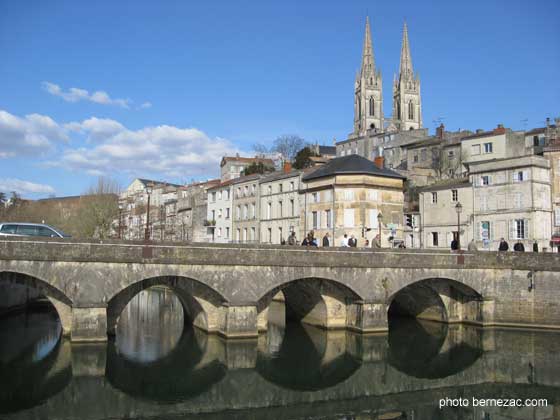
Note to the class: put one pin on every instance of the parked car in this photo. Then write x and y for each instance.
(30, 229)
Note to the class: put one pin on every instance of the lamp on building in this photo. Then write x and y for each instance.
(120, 220)
(379, 222)
(458, 209)
(149, 189)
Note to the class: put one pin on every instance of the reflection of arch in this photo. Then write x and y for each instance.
(308, 359)
(29, 381)
(59, 299)
(311, 300)
(180, 375)
(438, 299)
(424, 349)
(200, 302)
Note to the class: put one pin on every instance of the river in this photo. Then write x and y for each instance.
(158, 366)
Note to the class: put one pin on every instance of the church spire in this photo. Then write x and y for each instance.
(406, 60)
(368, 60)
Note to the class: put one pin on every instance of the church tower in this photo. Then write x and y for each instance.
(407, 103)
(368, 99)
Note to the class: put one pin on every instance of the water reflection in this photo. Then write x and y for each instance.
(150, 326)
(168, 370)
(34, 363)
(427, 349)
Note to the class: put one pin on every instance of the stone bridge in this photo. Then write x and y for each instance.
(227, 289)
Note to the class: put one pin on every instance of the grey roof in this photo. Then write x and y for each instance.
(352, 164)
(327, 150)
(280, 175)
(150, 181)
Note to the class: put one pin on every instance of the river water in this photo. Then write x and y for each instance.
(160, 367)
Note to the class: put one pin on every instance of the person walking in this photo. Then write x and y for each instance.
(376, 242)
(503, 245)
(366, 244)
(535, 246)
(326, 240)
(344, 241)
(454, 245)
(472, 246)
(519, 247)
(353, 242)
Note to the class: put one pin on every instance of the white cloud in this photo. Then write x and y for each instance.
(76, 94)
(164, 150)
(145, 105)
(34, 134)
(24, 187)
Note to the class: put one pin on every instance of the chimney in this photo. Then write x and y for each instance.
(547, 122)
(500, 129)
(439, 131)
(379, 162)
(287, 167)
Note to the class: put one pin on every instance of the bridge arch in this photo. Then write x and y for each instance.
(437, 299)
(202, 305)
(316, 301)
(59, 299)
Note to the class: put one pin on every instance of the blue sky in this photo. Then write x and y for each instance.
(163, 88)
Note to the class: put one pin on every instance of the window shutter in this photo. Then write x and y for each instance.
(514, 176)
(512, 230)
(319, 219)
(526, 229)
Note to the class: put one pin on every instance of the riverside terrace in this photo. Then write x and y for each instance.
(227, 288)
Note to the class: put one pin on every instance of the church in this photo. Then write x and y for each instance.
(368, 93)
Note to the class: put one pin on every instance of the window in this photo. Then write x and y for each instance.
(246, 190)
(238, 235)
(519, 176)
(485, 232)
(270, 235)
(371, 107)
(269, 189)
(315, 219)
(435, 241)
(423, 155)
(487, 147)
(483, 203)
(485, 180)
(253, 189)
(219, 232)
(269, 211)
(280, 234)
(415, 158)
(219, 195)
(292, 207)
(213, 197)
(328, 196)
(238, 192)
(45, 231)
(451, 154)
(535, 140)
(245, 235)
(227, 232)
(226, 194)
(253, 233)
(219, 213)
(237, 212)
(373, 195)
(475, 149)
(454, 195)
(519, 229)
(213, 214)
(348, 217)
(280, 187)
(434, 198)
(348, 195)
(245, 211)
(280, 209)
(315, 197)
(410, 110)
(8, 229)
(557, 216)
(328, 218)
(292, 186)
(253, 211)
(517, 200)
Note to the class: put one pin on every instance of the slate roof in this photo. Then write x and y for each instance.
(327, 150)
(351, 164)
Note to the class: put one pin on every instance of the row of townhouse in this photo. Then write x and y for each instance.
(510, 190)
(348, 195)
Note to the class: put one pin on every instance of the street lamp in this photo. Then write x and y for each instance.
(147, 231)
(379, 221)
(120, 220)
(458, 209)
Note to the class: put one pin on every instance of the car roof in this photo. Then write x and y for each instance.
(27, 224)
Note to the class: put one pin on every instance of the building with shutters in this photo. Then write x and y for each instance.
(347, 195)
(245, 208)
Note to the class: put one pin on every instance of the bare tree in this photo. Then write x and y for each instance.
(288, 145)
(98, 209)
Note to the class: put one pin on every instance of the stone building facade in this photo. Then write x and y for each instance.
(192, 209)
(439, 220)
(232, 167)
(347, 195)
(219, 220)
(245, 208)
(280, 206)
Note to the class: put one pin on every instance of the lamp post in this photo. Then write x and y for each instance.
(458, 209)
(120, 220)
(379, 222)
(147, 231)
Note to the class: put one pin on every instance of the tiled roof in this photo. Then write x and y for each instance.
(352, 164)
